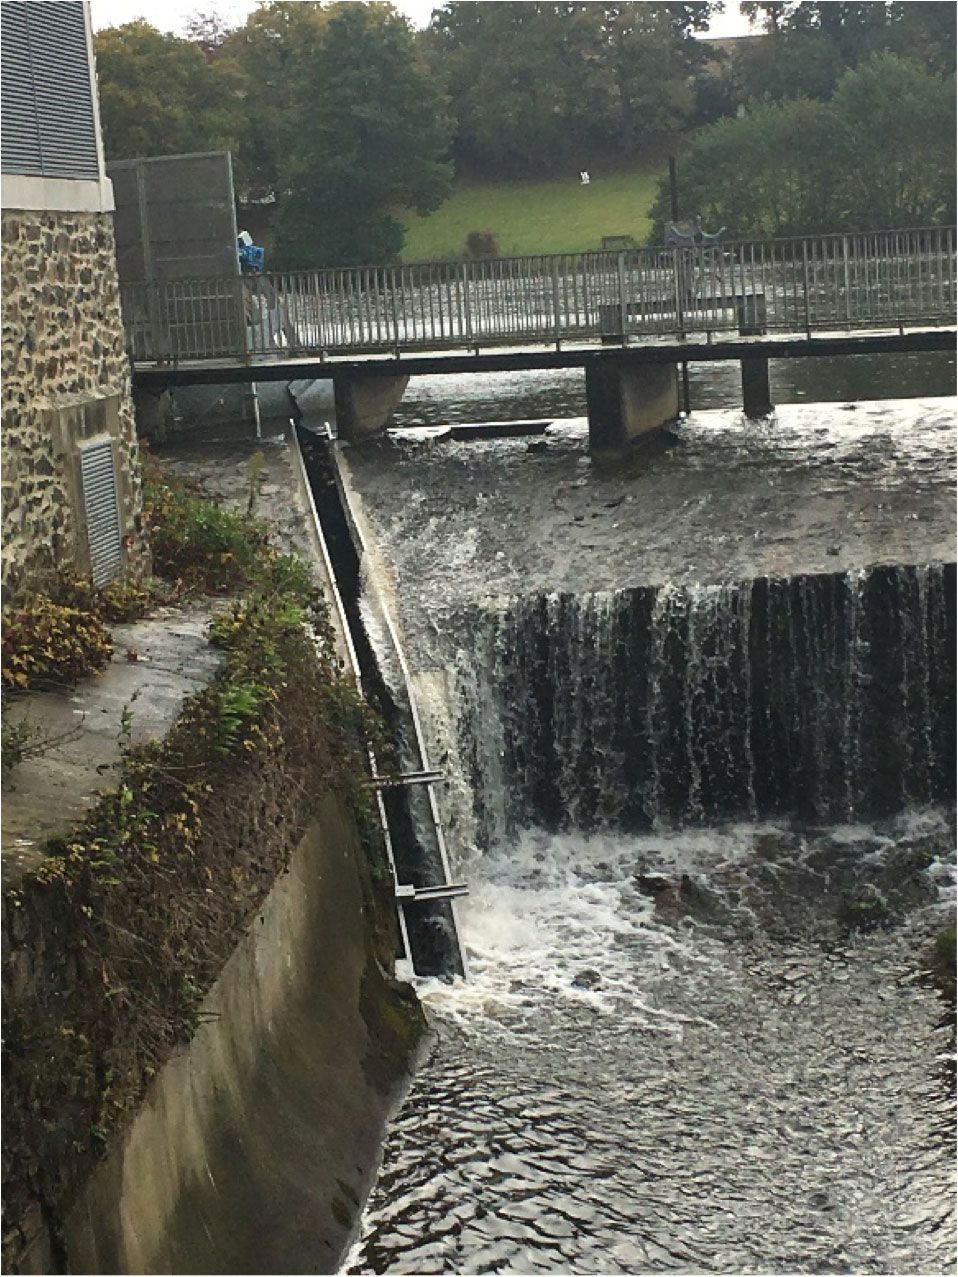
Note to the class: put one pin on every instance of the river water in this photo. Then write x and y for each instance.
(694, 1036)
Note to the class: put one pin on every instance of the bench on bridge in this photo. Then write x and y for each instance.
(750, 310)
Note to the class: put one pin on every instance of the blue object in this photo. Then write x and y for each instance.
(252, 256)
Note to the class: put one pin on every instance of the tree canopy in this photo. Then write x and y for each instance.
(851, 163)
(268, 49)
(841, 35)
(160, 96)
(370, 134)
(538, 87)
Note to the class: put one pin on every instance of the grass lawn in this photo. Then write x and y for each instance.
(549, 216)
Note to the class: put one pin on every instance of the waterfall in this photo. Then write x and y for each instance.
(826, 698)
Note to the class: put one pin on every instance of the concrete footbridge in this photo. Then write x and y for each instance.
(631, 319)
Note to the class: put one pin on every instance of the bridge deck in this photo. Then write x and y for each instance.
(281, 366)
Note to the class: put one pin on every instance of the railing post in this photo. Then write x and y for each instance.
(394, 310)
(678, 271)
(623, 304)
(848, 284)
(555, 302)
(466, 305)
(160, 346)
(808, 320)
(243, 294)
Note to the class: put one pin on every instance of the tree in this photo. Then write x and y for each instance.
(522, 79)
(807, 167)
(654, 90)
(539, 86)
(371, 135)
(921, 29)
(895, 144)
(766, 173)
(209, 29)
(268, 49)
(797, 64)
(926, 31)
(158, 95)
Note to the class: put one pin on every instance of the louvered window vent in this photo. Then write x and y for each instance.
(102, 511)
(47, 105)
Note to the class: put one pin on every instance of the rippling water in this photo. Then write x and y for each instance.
(509, 396)
(672, 1055)
(674, 1051)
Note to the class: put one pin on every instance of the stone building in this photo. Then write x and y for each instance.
(70, 480)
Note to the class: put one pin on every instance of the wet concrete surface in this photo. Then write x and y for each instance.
(157, 663)
(227, 470)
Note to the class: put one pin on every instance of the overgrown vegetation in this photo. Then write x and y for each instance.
(55, 632)
(148, 897)
(47, 644)
(200, 546)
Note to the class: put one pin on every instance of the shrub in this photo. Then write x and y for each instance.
(46, 643)
(196, 543)
(121, 600)
(482, 244)
(199, 545)
(14, 743)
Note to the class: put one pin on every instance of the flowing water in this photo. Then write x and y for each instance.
(702, 787)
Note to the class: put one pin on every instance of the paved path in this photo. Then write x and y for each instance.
(44, 797)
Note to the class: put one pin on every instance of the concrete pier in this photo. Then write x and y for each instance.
(753, 322)
(628, 400)
(756, 392)
(364, 403)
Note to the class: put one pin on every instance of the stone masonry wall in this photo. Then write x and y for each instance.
(65, 377)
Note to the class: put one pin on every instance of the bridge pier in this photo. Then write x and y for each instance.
(365, 402)
(752, 322)
(756, 392)
(627, 401)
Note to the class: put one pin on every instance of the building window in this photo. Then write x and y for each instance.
(49, 127)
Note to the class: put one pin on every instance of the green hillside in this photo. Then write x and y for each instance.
(549, 216)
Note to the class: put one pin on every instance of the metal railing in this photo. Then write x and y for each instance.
(878, 279)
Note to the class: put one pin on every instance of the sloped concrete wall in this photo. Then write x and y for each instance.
(258, 1142)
